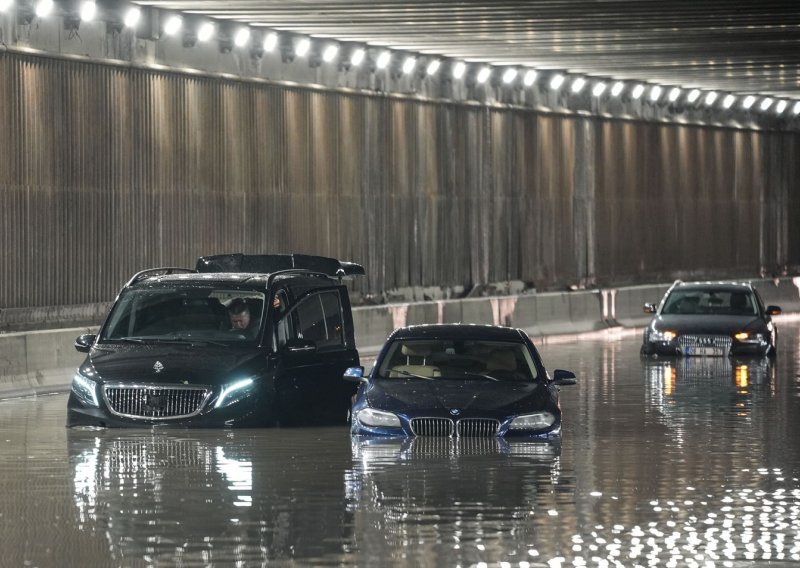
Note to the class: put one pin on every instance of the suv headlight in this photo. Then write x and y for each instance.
(665, 335)
(234, 392)
(85, 389)
(372, 417)
(535, 421)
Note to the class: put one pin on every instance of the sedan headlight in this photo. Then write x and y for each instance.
(380, 418)
(234, 392)
(536, 421)
(745, 337)
(665, 335)
(85, 389)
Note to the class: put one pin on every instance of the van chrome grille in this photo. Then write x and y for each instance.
(478, 427)
(432, 426)
(155, 402)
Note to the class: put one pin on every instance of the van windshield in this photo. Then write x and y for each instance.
(215, 315)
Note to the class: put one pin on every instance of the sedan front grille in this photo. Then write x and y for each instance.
(155, 402)
(721, 343)
(478, 427)
(445, 427)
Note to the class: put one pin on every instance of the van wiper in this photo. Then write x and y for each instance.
(171, 340)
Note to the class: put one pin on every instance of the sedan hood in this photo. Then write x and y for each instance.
(185, 364)
(706, 325)
(471, 397)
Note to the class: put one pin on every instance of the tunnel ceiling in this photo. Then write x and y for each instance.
(739, 46)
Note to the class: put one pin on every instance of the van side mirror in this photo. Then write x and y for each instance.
(649, 308)
(354, 375)
(83, 343)
(562, 378)
(774, 310)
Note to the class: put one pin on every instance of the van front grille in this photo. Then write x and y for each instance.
(155, 402)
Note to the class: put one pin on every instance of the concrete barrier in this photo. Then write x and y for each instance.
(39, 362)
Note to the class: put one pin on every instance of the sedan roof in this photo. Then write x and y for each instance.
(460, 331)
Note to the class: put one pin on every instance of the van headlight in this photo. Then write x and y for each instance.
(535, 421)
(85, 389)
(379, 418)
(234, 392)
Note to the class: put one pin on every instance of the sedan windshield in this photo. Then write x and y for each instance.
(717, 302)
(480, 360)
(175, 315)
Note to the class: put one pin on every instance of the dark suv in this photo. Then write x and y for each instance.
(241, 340)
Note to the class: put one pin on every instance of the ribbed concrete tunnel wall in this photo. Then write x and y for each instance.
(106, 169)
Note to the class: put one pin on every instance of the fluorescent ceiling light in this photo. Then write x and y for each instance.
(529, 78)
(637, 91)
(728, 101)
(509, 75)
(242, 37)
(88, 11)
(330, 53)
(358, 57)
(766, 103)
(674, 93)
(599, 89)
(302, 47)
(43, 8)
(409, 64)
(710, 98)
(206, 32)
(459, 69)
(132, 17)
(383, 59)
(433, 67)
(556, 82)
(655, 92)
(483, 74)
(694, 94)
(617, 88)
(781, 107)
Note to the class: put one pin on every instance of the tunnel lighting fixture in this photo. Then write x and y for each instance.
(433, 67)
(88, 11)
(302, 47)
(357, 57)
(383, 59)
(748, 101)
(599, 89)
(330, 53)
(556, 82)
(529, 78)
(637, 91)
(694, 94)
(796, 108)
(242, 37)
(270, 41)
(766, 103)
(674, 93)
(509, 75)
(616, 90)
(655, 93)
(43, 8)
(206, 32)
(781, 107)
(132, 17)
(710, 98)
(578, 84)
(5, 5)
(172, 25)
(409, 64)
(483, 74)
(459, 69)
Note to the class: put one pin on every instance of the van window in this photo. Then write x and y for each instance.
(316, 318)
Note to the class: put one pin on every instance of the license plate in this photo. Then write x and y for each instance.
(704, 351)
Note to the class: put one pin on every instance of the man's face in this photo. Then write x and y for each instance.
(240, 321)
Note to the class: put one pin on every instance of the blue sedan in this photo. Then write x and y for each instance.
(457, 380)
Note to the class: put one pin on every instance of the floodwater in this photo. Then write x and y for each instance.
(661, 463)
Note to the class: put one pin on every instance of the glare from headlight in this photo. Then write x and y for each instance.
(85, 389)
(372, 417)
(227, 396)
(536, 421)
(665, 335)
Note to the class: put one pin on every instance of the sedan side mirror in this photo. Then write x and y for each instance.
(354, 375)
(562, 377)
(649, 308)
(84, 342)
(774, 310)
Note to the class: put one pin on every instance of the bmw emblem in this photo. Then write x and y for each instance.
(158, 367)
(455, 412)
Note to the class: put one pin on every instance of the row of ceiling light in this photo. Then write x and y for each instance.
(243, 37)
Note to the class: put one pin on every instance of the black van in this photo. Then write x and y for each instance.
(240, 341)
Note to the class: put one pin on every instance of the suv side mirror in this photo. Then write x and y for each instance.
(562, 377)
(84, 342)
(354, 375)
(774, 310)
(649, 308)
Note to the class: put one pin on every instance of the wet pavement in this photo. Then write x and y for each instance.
(661, 463)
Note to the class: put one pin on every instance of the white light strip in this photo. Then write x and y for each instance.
(616, 90)
(578, 84)
(748, 101)
(357, 58)
(674, 94)
(556, 82)
(766, 103)
(270, 41)
(459, 69)
(409, 64)
(330, 53)
(530, 77)
(599, 89)
(483, 74)
(710, 98)
(728, 101)
(637, 91)
(694, 94)
(655, 93)
(509, 75)
(433, 67)
(781, 107)
(383, 60)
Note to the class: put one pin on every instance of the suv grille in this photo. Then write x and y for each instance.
(444, 427)
(155, 402)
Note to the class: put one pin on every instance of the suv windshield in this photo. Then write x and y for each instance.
(186, 314)
(458, 359)
(717, 302)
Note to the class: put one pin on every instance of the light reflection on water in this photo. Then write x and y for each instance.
(662, 462)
